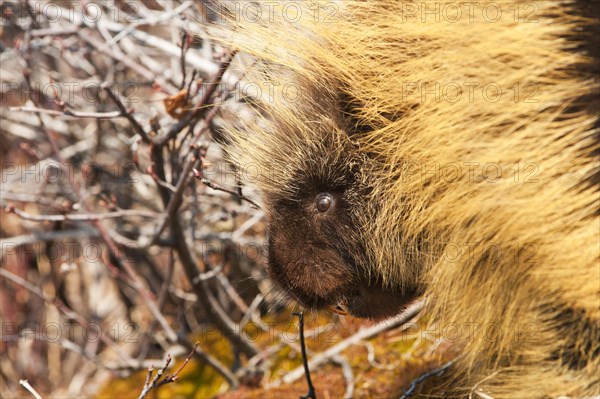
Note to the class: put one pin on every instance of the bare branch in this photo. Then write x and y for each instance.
(67, 113)
(31, 390)
(77, 217)
(363, 333)
(157, 382)
(123, 111)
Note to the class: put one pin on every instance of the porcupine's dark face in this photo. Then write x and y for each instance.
(317, 247)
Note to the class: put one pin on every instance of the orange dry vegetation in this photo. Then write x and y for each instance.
(399, 357)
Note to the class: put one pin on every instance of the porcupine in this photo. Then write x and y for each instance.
(438, 149)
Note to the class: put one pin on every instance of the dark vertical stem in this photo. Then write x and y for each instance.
(311, 389)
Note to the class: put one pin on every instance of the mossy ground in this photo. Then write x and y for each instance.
(398, 357)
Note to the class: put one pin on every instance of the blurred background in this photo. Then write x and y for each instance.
(127, 239)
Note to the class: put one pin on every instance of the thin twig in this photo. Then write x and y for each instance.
(175, 199)
(363, 333)
(157, 382)
(216, 187)
(124, 112)
(52, 32)
(10, 243)
(123, 58)
(219, 367)
(79, 216)
(164, 16)
(31, 390)
(433, 373)
(311, 389)
(203, 104)
(67, 112)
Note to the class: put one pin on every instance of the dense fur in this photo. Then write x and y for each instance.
(487, 205)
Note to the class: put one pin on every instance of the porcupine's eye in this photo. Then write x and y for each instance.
(323, 202)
